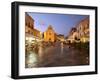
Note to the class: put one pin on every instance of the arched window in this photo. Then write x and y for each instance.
(49, 39)
(50, 33)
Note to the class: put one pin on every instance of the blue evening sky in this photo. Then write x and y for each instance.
(61, 23)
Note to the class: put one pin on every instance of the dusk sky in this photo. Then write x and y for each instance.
(61, 23)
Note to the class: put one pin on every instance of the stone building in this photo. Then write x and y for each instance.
(30, 31)
(81, 32)
(73, 35)
(29, 24)
(60, 37)
(36, 33)
(49, 35)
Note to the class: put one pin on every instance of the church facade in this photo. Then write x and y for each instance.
(49, 35)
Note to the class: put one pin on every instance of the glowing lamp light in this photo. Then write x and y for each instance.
(30, 39)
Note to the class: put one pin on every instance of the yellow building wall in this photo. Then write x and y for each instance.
(49, 36)
(36, 33)
(33, 32)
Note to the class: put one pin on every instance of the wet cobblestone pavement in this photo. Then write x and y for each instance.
(57, 55)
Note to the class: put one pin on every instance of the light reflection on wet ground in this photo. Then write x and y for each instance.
(56, 55)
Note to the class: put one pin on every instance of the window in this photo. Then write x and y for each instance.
(49, 39)
(50, 33)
